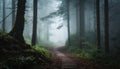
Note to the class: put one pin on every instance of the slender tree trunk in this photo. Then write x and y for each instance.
(34, 35)
(47, 32)
(106, 22)
(98, 23)
(82, 21)
(77, 21)
(4, 13)
(68, 21)
(17, 31)
(82, 18)
(88, 17)
(13, 12)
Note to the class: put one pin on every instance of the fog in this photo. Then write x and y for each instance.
(52, 22)
(57, 37)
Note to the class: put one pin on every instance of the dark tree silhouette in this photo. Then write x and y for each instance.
(47, 34)
(98, 22)
(68, 21)
(13, 12)
(34, 23)
(17, 31)
(77, 19)
(82, 21)
(3, 25)
(106, 22)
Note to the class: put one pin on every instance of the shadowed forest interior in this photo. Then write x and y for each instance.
(59, 34)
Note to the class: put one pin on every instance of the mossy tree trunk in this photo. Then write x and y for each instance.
(17, 31)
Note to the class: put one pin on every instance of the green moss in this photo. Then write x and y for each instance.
(43, 51)
(84, 54)
(13, 56)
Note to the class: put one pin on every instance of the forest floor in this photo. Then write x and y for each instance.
(63, 60)
(14, 55)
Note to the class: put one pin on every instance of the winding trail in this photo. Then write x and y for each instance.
(66, 62)
(63, 60)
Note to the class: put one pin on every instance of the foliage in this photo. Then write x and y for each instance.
(98, 56)
(107, 59)
(22, 62)
(13, 56)
(85, 52)
(42, 50)
(19, 62)
(89, 51)
(62, 11)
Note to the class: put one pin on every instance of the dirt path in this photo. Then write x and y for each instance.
(68, 61)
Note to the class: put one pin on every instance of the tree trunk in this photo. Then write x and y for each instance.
(13, 12)
(34, 35)
(47, 25)
(77, 21)
(82, 22)
(4, 13)
(106, 22)
(17, 31)
(68, 21)
(98, 22)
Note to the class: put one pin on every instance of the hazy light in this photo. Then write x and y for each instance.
(59, 35)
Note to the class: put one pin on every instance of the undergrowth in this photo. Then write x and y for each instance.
(42, 50)
(89, 51)
(86, 52)
(14, 56)
(109, 61)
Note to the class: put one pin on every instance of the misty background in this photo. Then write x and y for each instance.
(53, 31)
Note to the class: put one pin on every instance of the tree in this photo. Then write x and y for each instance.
(3, 25)
(17, 31)
(82, 21)
(47, 30)
(68, 21)
(34, 23)
(98, 22)
(106, 22)
(13, 12)
(77, 19)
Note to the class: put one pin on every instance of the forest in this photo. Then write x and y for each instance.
(59, 34)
